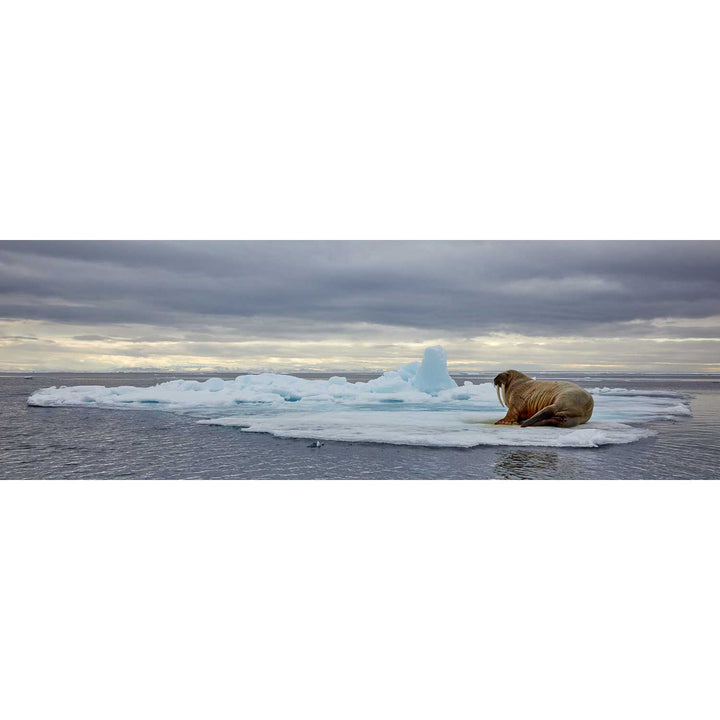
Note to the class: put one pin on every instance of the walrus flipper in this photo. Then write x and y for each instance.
(546, 416)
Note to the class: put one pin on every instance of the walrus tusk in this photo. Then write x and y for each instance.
(497, 388)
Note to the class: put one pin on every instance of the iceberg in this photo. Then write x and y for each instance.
(432, 376)
(416, 404)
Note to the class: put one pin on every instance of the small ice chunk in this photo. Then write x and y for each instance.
(409, 371)
(388, 382)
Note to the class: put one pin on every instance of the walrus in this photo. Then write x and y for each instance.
(541, 402)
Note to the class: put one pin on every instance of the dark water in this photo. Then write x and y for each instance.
(64, 443)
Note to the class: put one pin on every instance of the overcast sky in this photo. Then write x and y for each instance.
(612, 306)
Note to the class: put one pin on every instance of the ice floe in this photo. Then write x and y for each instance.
(417, 404)
(433, 429)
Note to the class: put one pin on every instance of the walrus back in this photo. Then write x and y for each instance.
(559, 404)
(577, 398)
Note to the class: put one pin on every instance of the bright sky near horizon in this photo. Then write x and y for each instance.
(291, 306)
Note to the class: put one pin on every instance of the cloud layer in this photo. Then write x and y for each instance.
(276, 296)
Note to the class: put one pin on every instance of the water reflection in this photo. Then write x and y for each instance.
(527, 464)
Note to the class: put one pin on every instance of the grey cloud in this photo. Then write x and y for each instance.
(530, 287)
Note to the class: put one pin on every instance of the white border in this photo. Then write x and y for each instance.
(393, 119)
(359, 599)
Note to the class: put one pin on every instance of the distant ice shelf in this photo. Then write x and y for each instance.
(416, 404)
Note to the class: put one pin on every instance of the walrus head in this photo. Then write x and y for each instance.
(503, 380)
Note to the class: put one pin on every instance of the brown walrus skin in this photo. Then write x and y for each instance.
(542, 402)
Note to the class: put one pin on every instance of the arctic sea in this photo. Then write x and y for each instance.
(644, 427)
